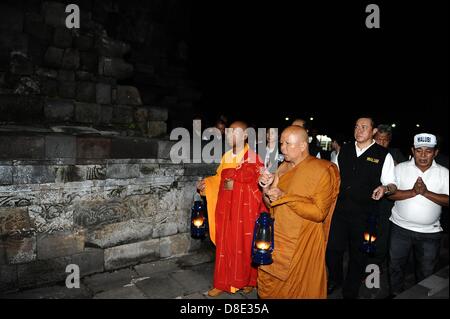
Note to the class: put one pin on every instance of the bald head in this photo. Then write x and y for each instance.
(294, 144)
(237, 134)
(298, 133)
(239, 124)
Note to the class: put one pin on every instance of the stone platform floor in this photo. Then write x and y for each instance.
(190, 277)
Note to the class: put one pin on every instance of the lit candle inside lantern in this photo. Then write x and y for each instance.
(198, 222)
(369, 238)
(262, 245)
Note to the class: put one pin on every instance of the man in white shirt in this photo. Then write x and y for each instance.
(422, 191)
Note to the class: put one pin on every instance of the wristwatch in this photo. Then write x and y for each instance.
(387, 191)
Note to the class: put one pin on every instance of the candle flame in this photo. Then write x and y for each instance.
(198, 222)
(262, 245)
(369, 238)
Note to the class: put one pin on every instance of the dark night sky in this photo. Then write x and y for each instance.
(302, 60)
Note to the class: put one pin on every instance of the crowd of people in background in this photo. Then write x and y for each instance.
(403, 195)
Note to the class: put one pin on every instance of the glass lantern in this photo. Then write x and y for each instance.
(198, 219)
(263, 243)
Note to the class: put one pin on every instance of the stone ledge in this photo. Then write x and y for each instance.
(43, 272)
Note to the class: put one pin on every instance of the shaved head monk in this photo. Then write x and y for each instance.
(302, 197)
(234, 202)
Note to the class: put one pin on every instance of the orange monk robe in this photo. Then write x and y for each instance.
(231, 216)
(302, 222)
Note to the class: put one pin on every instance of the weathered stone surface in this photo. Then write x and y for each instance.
(128, 95)
(54, 57)
(133, 148)
(84, 42)
(62, 38)
(87, 112)
(86, 92)
(198, 258)
(20, 64)
(120, 233)
(26, 86)
(47, 271)
(89, 62)
(49, 87)
(160, 287)
(128, 292)
(109, 280)
(122, 171)
(14, 221)
(60, 146)
(191, 281)
(36, 50)
(90, 261)
(164, 148)
(65, 173)
(59, 110)
(35, 26)
(114, 67)
(71, 59)
(33, 174)
(11, 41)
(20, 250)
(92, 215)
(54, 13)
(90, 172)
(151, 169)
(195, 244)
(158, 113)
(164, 230)
(66, 75)
(108, 47)
(103, 93)
(152, 268)
(18, 108)
(108, 80)
(6, 175)
(183, 224)
(199, 169)
(67, 90)
(52, 292)
(92, 147)
(59, 244)
(28, 147)
(130, 254)
(50, 218)
(107, 114)
(174, 245)
(85, 76)
(11, 19)
(122, 114)
(8, 278)
(157, 128)
(49, 73)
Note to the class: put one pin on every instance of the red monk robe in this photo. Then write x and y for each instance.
(233, 208)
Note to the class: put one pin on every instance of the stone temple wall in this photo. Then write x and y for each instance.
(85, 176)
(102, 216)
(110, 74)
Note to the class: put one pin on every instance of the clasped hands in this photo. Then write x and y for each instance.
(419, 187)
(265, 180)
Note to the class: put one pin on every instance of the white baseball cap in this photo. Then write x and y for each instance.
(425, 140)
